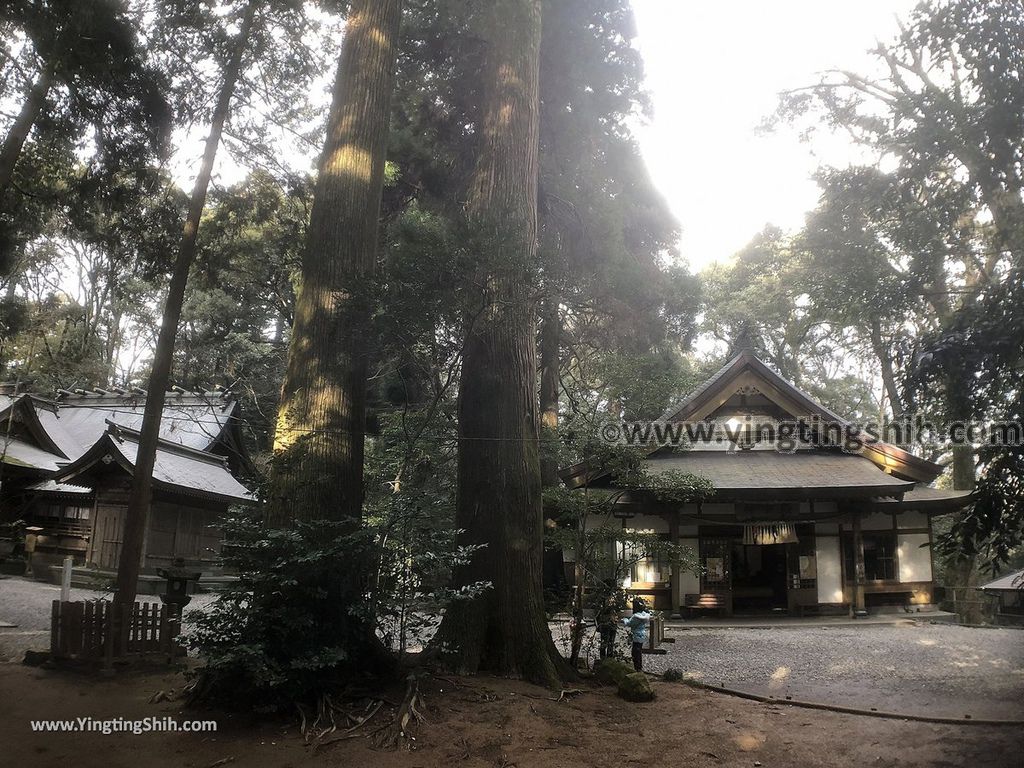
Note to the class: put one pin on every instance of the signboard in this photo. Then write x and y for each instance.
(715, 569)
(808, 567)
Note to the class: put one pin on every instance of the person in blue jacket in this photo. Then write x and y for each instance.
(637, 625)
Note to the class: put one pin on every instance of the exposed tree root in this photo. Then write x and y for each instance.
(334, 722)
(159, 696)
(566, 694)
(397, 733)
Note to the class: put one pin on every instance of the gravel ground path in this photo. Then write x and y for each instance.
(918, 668)
(26, 604)
(913, 667)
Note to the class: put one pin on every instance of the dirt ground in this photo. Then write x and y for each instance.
(477, 722)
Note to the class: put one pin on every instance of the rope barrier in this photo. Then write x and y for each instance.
(888, 715)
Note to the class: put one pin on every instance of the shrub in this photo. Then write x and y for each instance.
(297, 625)
(636, 687)
(672, 675)
(611, 671)
(287, 631)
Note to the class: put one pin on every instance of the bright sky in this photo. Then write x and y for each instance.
(713, 70)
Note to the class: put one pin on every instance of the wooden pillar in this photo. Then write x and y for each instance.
(858, 568)
(90, 545)
(677, 576)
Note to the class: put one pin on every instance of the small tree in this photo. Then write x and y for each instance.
(410, 508)
(606, 552)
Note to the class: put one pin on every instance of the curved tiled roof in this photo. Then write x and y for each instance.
(18, 453)
(60, 437)
(752, 471)
(177, 468)
(192, 420)
(884, 459)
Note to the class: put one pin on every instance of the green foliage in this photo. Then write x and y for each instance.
(917, 255)
(983, 346)
(410, 509)
(286, 631)
(69, 198)
(783, 297)
(673, 486)
(672, 675)
(103, 105)
(756, 297)
(241, 295)
(83, 283)
(607, 238)
(278, 636)
(992, 528)
(641, 383)
(92, 47)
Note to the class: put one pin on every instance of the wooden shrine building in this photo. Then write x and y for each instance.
(816, 529)
(67, 467)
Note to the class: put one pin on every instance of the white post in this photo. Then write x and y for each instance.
(65, 580)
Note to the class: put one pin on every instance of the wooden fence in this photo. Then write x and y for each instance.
(972, 605)
(92, 630)
(656, 635)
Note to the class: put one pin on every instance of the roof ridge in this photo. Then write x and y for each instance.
(118, 432)
(80, 398)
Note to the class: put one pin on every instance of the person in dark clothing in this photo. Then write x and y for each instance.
(637, 625)
(607, 626)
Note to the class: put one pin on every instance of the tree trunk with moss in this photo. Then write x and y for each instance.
(318, 443)
(317, 469)
(499, 506)
(550, 339)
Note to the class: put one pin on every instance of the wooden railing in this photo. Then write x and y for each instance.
(93, 630)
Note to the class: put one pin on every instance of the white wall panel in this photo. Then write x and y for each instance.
(830, 570)
(915, 560)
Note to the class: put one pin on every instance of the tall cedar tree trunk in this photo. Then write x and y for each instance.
(22, 127)
(550, 339)
(553, 569)
(317, 472)
(163, 356)
(499, 492)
